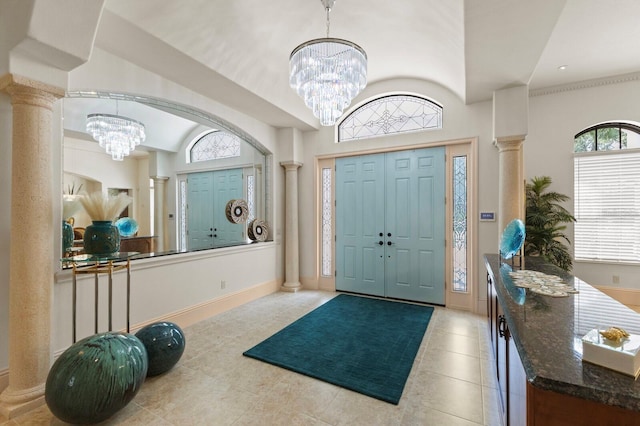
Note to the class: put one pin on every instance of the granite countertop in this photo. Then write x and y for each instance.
(547, 332)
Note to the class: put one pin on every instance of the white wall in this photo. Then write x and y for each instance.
(161, 286)
(554, 120)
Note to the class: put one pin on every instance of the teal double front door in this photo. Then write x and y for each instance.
(390, 225)
(207, 196)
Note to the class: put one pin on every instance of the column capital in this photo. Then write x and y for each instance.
(509, 143)
(30, 92)
(291, 165)
(159, 178)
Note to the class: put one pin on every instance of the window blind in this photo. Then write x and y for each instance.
(607, 206)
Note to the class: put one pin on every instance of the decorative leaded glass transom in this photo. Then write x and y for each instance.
(389, 115)
(215, 145)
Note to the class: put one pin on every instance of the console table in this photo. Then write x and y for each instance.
(97, 265)
(536, 342)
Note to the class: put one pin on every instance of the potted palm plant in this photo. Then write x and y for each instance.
(546, 222)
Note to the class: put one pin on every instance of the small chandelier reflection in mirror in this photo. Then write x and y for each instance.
(328, 73)
(116, 134)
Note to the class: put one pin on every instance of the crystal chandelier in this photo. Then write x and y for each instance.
(116, 134)
(328, 73)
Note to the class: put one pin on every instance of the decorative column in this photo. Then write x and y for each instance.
(511, 192)
(292, 259)
(160, 212)
(30, 263)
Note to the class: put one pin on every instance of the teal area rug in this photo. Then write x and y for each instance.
(362, 344)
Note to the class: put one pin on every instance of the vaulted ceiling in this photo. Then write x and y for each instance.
(237, 51)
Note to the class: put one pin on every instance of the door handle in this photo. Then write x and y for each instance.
(380, 243)
(502, 326)
(388, 234)
(389, 243)
(215, 235)
(211, 235)
(381, 234)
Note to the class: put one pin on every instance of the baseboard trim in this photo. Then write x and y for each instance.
(4, 379)
(193, 314)
(626, 296)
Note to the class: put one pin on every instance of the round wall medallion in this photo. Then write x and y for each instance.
(237, 211)
(258, 230)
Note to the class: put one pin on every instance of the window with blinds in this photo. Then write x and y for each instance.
(607, 205)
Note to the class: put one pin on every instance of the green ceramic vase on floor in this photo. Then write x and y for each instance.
(96, 377)
(165, 344)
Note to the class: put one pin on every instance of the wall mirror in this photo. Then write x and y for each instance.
(196, 179)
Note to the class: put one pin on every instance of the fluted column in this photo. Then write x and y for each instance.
(292, 258)
(511, 193)
(160, 212)
(30, 267)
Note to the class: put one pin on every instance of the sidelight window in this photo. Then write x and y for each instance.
(459, 254)
(327, 230)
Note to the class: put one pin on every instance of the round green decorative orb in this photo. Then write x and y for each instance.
(165, 344)
(96, 377)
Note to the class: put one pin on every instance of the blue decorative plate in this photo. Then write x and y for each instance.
(127, 226)
(512, 239)
(518, 294)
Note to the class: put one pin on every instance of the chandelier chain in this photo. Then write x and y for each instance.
(328, 22)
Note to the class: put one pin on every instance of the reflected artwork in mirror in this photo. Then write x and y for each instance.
(163, 163)
(127, 226)
(512, 239)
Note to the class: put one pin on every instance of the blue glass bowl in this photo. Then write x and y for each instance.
(127, 226)
(512, 239)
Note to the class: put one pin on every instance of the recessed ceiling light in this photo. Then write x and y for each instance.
(563, 67)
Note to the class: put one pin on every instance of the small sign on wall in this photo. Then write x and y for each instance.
(487, 216)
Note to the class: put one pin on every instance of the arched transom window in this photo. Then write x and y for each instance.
(389, 115)
(215, 145)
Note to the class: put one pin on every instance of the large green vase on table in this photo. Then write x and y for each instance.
(96, 377)
(101, 238)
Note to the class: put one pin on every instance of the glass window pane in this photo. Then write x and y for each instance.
(607, 207)
(585, 142)
(389, 115)
(215, 145)
(251, 180)
(183, 214)
(326, 223)
(608, 138)
(630, 139)
(459, 254)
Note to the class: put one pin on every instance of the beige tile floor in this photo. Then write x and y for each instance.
(452, 381)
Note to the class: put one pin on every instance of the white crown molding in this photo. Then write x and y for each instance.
(586, 84)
